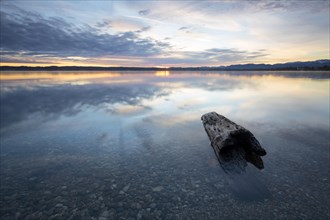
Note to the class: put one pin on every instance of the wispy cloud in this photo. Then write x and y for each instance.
(144, 29)
(106, 23)
(213, 57)
(183, 28)
(217, 54)
(144, 12)
(289, 5)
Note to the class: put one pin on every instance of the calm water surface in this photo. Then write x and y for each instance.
(130, 145)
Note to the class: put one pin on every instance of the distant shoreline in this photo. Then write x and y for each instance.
(73, 68)
(317, 65)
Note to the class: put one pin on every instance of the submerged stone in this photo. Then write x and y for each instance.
(157, 188)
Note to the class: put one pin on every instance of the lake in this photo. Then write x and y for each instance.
(131, 145)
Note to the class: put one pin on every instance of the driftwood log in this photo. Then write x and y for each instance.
(232, 143)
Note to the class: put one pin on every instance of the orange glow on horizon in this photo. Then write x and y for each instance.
(67, 76)
(56, 64)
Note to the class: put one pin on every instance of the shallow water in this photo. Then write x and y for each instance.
(130, 145)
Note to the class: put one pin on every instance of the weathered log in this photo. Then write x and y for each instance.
(232, 143)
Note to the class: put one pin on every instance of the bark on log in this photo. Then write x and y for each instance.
(232, 142)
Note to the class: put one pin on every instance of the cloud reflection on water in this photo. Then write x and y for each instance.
(65, 99)
(252, 95)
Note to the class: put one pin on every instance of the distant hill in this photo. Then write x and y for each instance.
(308, 65)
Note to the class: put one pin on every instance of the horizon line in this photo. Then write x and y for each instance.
(161, 67)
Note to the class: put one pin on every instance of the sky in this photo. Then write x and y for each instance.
(162, 33)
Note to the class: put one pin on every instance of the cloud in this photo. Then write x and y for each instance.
(6, 59)
(183, 28)
(289, 5)
(106, 23)
(231, 54)
(248, 6)
(144, 12)
(144, 29)
(32, 33)
(213, 56)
